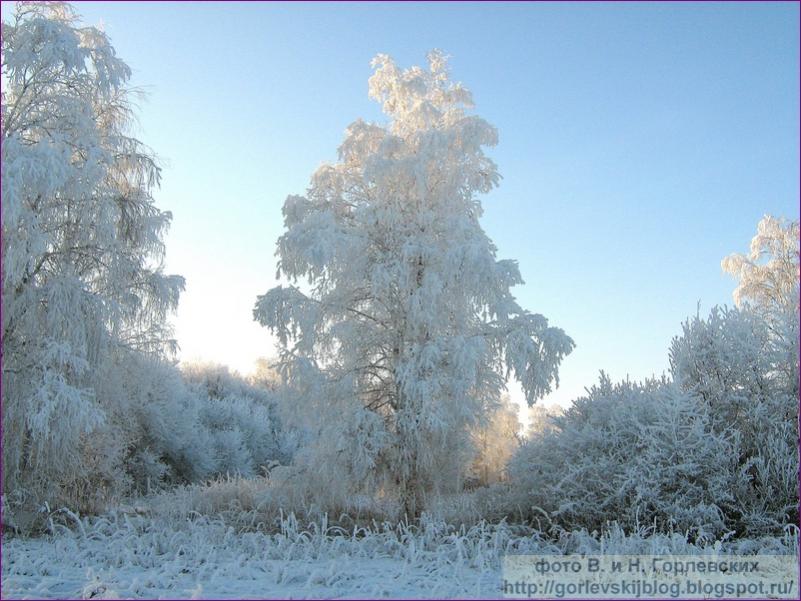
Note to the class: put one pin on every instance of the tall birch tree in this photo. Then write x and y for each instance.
(397, 326)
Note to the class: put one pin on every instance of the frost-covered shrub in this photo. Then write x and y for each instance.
(160, 417)
(184, 426)
(738, 366)
(713, 451)
(635, 454)
(726, 359)
(161, 428)
(241, 419)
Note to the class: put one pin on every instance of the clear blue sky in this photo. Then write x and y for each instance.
(639, 145)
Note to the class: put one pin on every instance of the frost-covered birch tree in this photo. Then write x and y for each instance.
(82, 240)
(768, 284)
(768, 274)
(397, 326)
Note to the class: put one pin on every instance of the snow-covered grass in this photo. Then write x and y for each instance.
(137, 556)
(126, 554)
(258, 503)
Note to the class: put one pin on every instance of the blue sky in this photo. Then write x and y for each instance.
(639, 145)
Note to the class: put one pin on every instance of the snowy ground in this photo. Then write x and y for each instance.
(90, 571)
(129, 556)
(136, 558)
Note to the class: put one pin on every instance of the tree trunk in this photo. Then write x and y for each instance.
(409, 482)
(411, 496)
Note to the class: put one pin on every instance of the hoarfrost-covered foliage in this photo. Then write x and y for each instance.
(714, 450)
(183, 426)
(744, 364)
(204, 557)
(82, 246)
(166, 427)
(733, 364)
(92, 408)
(635, 454)
(768, 274)
(768, 285)
(245, 431)
(405, 329)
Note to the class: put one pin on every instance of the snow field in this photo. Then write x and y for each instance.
(120, 555)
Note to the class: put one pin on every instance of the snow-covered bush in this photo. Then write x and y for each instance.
(737, 366)
(713, 451)
(241, 419)
(161, 419)
(185, 426)
(164, 428)
(726, 359)
(635, 454)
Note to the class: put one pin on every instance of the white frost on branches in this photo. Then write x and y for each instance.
(408, 317)
(714, 452)
(82, 240)
(768, 286)
(768, 274)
